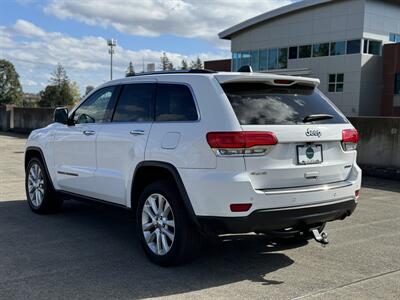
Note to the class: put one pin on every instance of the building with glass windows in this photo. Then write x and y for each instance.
(338, 41)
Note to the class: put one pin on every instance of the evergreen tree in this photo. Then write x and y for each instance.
(197, 64)
(10, 87)
(130, 71)
(166, 64)
(60, 91)
(59, 76)
(184, 65)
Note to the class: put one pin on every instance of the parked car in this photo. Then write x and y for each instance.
(200, 153)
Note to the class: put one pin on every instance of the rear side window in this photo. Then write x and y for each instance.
(135, 103)
(175, 102)
(264, 104)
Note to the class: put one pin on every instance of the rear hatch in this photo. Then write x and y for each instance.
(308, 127)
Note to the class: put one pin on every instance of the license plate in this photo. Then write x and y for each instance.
(309, 154)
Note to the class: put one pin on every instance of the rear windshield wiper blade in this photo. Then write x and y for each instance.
(317, 117)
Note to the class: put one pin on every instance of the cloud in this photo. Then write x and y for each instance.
(186, 18)
(28, 29)
(35, 52)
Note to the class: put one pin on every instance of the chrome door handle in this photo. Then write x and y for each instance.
(89, 132)
(137, 132)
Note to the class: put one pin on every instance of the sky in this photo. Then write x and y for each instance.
(35, 35)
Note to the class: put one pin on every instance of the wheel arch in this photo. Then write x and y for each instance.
(33, 151)
(164, 170)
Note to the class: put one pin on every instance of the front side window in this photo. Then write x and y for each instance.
(97, 108)
(305, 51)
(135, 103)
(338, 48)
(321, 50)
(353, 46)
(175, 102)
(336, 83)
(259, 103)
(397, 84)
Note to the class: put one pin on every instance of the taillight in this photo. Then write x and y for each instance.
(240, 143)
(349, 139)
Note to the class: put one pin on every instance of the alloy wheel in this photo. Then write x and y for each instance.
(158, 224)
(36, 185)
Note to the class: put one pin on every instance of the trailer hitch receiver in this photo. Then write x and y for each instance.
(320, 237)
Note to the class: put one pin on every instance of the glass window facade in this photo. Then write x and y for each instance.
(321, 50)
(245, 59)
(293, 52)
(372, 47)
(263, 60)
(338, 48)
(353, 46)
(283, 58)
(336, 83)
(394, 37)
(272, 59)
(305, 51)
(397, 84)
(255, 62)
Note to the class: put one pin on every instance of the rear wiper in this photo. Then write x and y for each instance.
(318, 117)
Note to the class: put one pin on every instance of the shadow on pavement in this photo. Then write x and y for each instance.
(14, 134)
(90, 251)
(381, 184)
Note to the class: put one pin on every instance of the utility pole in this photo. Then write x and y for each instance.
(111, 43)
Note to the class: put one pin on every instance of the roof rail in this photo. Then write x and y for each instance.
(191, 71)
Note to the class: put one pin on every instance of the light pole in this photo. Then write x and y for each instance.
(111, 43)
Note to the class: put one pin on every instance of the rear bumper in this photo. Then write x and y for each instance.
(265, 220)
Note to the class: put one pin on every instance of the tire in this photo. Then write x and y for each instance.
(41, 197)
(167, 235)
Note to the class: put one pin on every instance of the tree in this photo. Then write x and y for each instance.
(197, 64)
(59, 76)
(184, 65)
(75, 91)
(60, 91)
(130, 71)
(89, 88)
(166, 64)
(10, 87)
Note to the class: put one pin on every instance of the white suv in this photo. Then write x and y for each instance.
(200, 153)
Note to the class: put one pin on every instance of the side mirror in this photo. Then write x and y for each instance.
(61, 115)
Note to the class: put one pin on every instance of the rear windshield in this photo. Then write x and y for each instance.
(264, 104)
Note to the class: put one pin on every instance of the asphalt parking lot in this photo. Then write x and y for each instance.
(90, 252)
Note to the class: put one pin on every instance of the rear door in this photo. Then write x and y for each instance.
(308, 152)
(121, 144)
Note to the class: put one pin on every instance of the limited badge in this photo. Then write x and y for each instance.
(310, 153)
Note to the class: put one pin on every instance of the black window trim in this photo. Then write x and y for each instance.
(153, 102)
(193, 97)
(113, 101)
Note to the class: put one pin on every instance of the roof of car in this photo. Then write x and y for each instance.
(222, 77)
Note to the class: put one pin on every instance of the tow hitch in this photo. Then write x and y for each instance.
(320, 237)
